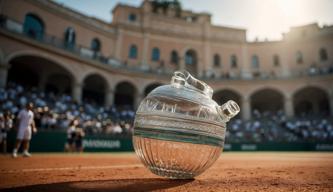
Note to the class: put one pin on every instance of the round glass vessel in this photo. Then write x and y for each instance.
(179, 130)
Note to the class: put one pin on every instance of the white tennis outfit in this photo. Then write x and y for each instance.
(24, 129)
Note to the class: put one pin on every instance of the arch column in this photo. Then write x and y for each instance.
(3, 74)
(145, 52)
(109, 97)
(182, 63)
(245, 71)
(284, 63)
(77, 92)
(118, 47)
(246, 108)
(207, 64)
(289, 106)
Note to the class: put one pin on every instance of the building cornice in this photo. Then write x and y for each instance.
(228, 28)
(171, 34)
(123, 5)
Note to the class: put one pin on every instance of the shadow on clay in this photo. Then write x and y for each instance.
(130, 185)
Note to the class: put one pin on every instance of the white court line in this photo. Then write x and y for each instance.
(74, 168)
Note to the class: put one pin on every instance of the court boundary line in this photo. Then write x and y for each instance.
(75, 168)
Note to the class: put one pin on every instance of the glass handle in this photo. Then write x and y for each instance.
(177, 81)
(228, 110)
(185, 78)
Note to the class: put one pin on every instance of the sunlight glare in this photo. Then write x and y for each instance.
(293, 10)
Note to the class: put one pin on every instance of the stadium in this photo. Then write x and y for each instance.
(79, 69)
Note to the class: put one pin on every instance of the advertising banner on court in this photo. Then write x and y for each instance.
(54, 141)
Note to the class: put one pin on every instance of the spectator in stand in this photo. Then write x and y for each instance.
(7, 126)
(3, 134)
(116, 129)
(57, 111)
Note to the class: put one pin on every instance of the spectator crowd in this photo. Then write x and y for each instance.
(56, 112)
(269, 127)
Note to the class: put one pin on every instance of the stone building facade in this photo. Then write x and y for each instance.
(57, 49)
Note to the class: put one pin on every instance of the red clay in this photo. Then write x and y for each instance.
(124, 172)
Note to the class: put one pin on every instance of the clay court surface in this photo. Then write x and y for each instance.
(264, 171)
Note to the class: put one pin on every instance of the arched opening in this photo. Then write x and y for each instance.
(95, 45)
(125, 94)
(299, 57)
(191, 61)
(174, 58)
(133, 52)
(58, 83)
(255, 62)
(323, 54)
(155, 54)
(70, 38)
(151, 87)
(33, 26)
(33, 71)
(276, 60)
(217, 60)
(267, 100)
(233, 61)
(23, 71)
(132, 17)
(96, 48)
(94, 89)
(225, 95)
(311, 101)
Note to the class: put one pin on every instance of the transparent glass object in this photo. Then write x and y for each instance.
(179, 130)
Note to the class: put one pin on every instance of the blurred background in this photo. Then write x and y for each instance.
(94, 61)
